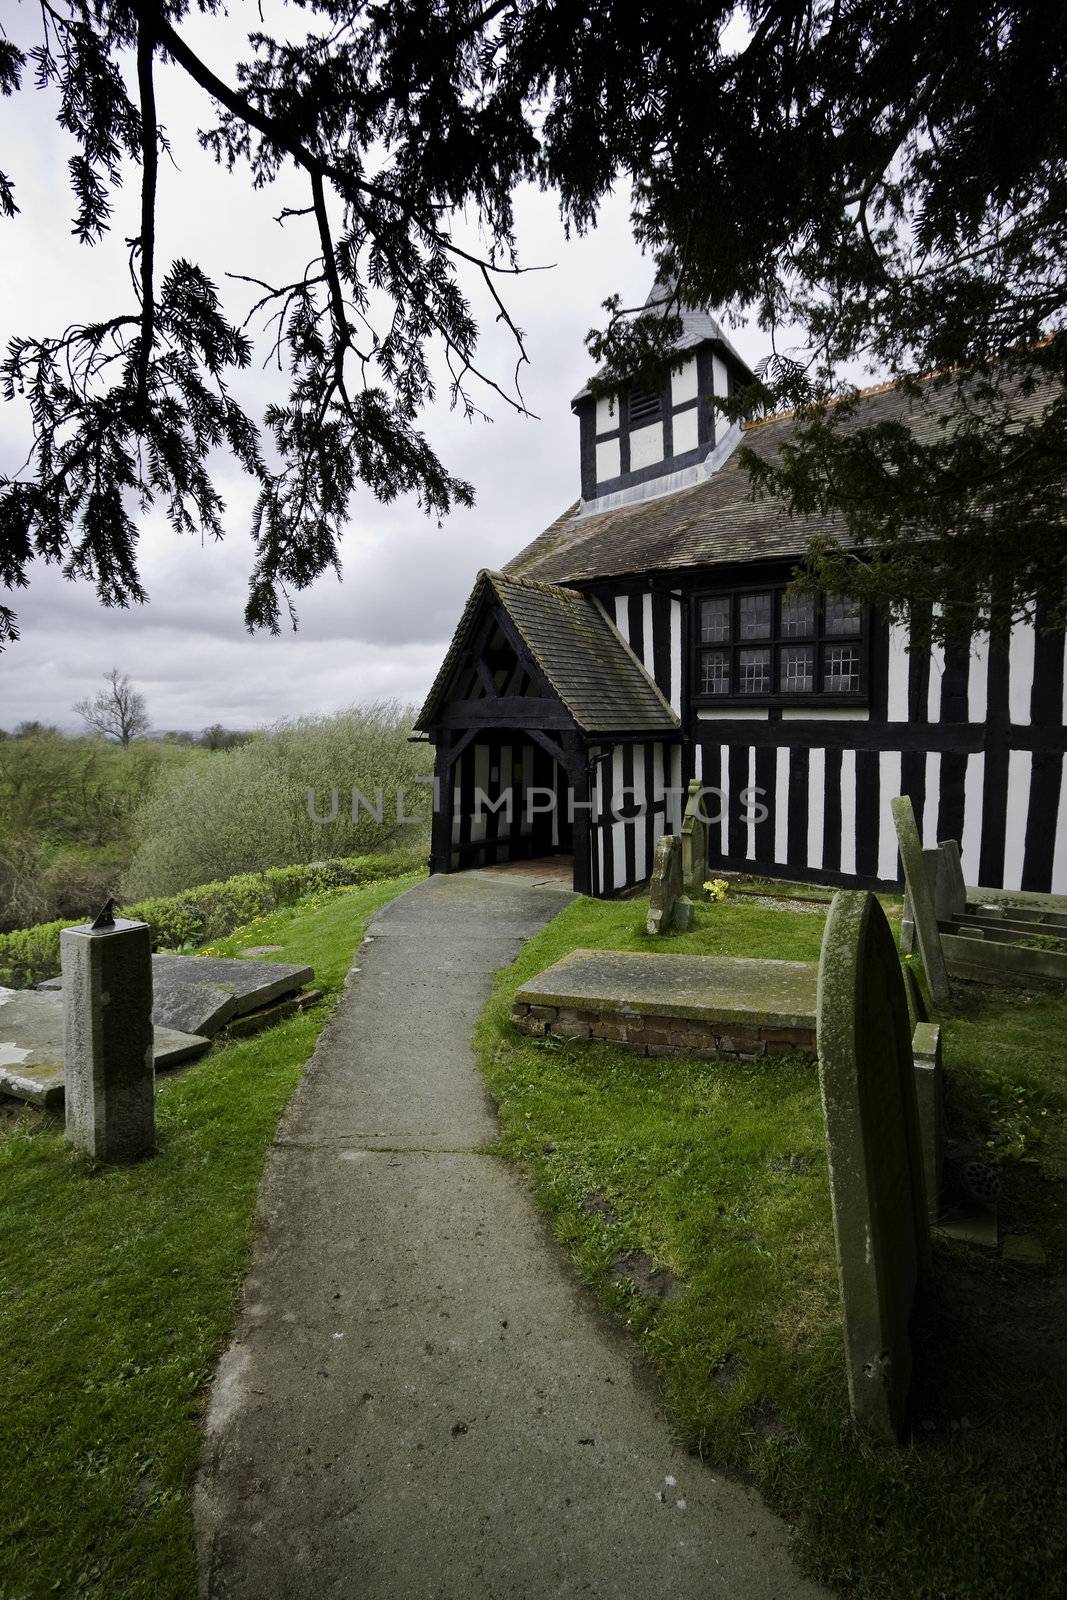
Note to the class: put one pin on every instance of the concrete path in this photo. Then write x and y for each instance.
(419, 1399)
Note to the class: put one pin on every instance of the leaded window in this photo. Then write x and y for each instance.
(715, 620)
(754, 676)
(764, 645)
(715, 672)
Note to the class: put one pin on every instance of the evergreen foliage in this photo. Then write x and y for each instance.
(893, 184)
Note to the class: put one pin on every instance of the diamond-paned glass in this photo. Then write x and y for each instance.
(754, 616)
(842, 616)
(796, 669)
(753, 672)
(715, 672)
(841, 669)
(798, 617)
(715, 620)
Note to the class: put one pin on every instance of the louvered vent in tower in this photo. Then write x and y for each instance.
(644, 407)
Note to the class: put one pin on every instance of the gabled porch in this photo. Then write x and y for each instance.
(536, 702)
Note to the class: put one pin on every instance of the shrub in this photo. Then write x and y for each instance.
(209, 911)
(246, 809)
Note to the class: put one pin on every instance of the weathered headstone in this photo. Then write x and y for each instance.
(874, 1152)
(108, 1065)
(694, 841)
(922, 901)
(668, 906)
(950, 891)
(929, 1095)
(918, 1011)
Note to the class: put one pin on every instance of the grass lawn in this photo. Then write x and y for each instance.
(118, 1288)
(717, 1171)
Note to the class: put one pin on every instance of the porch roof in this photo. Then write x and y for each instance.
(580, 653)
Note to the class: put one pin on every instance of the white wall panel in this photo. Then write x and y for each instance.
(888, 786)
(646, 446)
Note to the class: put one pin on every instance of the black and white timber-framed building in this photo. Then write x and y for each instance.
(645, 638)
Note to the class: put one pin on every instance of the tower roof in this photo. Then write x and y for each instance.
(699, 326)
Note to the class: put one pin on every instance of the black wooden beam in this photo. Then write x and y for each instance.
(507, 711)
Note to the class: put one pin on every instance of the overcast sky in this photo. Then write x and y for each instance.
(382, 630)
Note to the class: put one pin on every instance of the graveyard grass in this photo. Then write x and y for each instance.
(118, 1289)
(716, 1171)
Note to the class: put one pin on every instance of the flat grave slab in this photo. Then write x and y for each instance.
(31, 1047)
(251, 983)
(190, 1006)
(711, 1006)
(777, 994)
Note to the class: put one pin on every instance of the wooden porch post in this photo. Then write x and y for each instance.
(441, 824)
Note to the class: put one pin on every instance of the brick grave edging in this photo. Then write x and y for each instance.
(649, 1035)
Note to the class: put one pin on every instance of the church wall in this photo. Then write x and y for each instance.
(631, 783)
(973, 733)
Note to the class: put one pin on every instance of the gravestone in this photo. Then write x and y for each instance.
(929, 1095)
(950, 891)
(874, 1152)
(694, 841)
(922, 900)
(108, 1065)
(918, 1011)
(668, 907)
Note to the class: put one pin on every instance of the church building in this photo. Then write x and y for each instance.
(646, 638)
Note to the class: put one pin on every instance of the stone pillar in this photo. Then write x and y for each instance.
(109, 1068)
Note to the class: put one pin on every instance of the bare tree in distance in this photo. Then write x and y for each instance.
(117, 711)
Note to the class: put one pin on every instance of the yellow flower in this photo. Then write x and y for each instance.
(717, 888)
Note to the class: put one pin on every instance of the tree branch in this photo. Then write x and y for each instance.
(149, 169)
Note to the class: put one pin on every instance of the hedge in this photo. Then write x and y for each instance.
(196, 916)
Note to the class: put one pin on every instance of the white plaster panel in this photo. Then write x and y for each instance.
(932, 803)
(1020, 769)
(607, 414)
(1020, 677)
(731, 714)
(816, 796)
(684, 382)
(719, 380)
(827, 714)
(685, 431)
(781, 802)
(749, 801)
(848, 811)
(1059, 861)
(608, 460)
(888, 786)
(646, 446)
(675, 695)
(978, 682)
(971, 842)
(899, 661)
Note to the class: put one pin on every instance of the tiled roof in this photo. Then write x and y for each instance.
(580, 651)
(715, 521)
